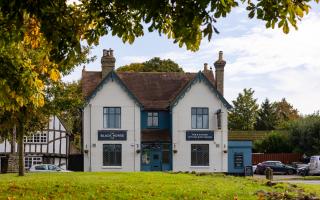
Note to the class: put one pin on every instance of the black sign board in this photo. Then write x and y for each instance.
(200, 135)
(112, 135)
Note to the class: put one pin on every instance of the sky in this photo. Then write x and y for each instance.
(273, 64)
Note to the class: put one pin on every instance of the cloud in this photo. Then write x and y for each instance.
(275, 64)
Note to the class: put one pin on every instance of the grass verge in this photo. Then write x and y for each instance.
(141, 185)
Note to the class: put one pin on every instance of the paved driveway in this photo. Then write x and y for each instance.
(289, 179)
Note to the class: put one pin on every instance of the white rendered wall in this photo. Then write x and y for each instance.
(111, 95)
(199, 96)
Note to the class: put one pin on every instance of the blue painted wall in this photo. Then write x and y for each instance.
(244, 147)
(164, 120)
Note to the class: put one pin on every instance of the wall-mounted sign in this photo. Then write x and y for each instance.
(238, 160)
(112, 135)
(199, 135)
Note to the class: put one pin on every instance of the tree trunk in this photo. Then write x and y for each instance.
(13, 140)
(20, 134)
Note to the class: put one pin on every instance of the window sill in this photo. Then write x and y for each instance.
(199, 166)
(111, 167)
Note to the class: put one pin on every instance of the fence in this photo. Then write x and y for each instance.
(286, 158)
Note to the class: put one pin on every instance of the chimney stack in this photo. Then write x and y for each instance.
(219, 65)
(107, 62)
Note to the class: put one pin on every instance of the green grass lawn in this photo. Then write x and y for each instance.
(137, 186)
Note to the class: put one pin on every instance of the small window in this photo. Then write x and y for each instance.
(112, 117)
(200, 118)
(29, 161)
(153, 119)
(238, 160)
(112, 154)
(36, 138)
(199, 154)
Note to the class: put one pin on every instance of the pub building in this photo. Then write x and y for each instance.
(154, 121)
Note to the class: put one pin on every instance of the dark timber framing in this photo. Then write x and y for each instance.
(52, 151)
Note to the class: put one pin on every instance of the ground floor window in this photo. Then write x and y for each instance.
(30, 161)
(238, 160)
(199, 154)
(112, 154)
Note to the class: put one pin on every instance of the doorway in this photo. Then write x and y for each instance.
(156, 157)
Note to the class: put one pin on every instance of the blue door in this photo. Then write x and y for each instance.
(156, 160)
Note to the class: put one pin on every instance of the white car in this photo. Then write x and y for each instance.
(46, 168)
(314, 165)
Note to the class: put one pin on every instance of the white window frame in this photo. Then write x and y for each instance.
(40, 137)
(32, 160)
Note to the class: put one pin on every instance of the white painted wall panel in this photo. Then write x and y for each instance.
(181, 114)
(112, 95)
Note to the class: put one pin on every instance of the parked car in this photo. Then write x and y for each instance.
(254, 168)
(277, 167)
(46, 168)
(314, 165)
(303, 170)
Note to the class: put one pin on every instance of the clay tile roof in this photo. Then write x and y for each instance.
(155, 90)
(89, 82)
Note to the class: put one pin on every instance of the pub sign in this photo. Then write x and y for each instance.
(200, 135)
(112, 135)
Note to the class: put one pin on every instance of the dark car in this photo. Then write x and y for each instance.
(277, 167)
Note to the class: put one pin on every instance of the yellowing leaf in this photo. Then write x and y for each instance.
(20, 101)
(54, 75)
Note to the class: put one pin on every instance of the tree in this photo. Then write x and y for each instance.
(153, 65)
(26, 74)
(274, 143)
(267, 116)
(244, 112)
(285, 113)
(67, 102)
(304, 134)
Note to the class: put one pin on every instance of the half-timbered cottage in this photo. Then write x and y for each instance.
(50, 146)
(154, 121)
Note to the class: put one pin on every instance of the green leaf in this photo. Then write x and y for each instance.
(285, 28)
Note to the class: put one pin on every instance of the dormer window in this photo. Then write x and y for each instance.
(153, 119)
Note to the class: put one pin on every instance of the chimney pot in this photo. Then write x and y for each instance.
(220, 55)
(205, 67)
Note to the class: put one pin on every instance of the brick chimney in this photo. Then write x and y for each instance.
(219, 65)
(107, 62)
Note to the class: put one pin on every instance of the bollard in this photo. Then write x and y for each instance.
(269, 174)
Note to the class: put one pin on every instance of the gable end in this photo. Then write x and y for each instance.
(200, 77)
(113, 77)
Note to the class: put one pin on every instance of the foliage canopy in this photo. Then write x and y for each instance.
(244, 112)
(153, 65)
